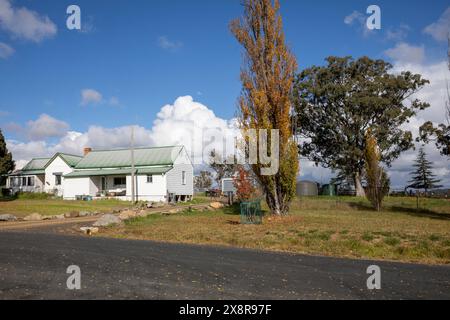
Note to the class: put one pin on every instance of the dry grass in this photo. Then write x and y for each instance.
(344, 227)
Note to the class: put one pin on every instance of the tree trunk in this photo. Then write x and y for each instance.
(274, 202)
(358, 186)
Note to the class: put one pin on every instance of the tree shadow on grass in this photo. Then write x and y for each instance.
(423, 213)
(233, 210)
(360, 206)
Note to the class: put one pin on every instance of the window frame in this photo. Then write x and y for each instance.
(183, 178)
(58, 179)
(120, 185)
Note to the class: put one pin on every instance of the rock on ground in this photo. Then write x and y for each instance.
(72, 214)
(89, 230)
(33, 217)
(107, 220)
(156, 205)
(7, 217)
(127, 214)
(216, 205)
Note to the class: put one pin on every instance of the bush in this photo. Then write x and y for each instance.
(34, 196)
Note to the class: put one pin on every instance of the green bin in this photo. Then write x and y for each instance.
(251, 212)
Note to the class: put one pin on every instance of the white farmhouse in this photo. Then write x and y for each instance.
(160, 174)
(31, 178)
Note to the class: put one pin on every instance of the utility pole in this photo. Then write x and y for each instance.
(132, 166)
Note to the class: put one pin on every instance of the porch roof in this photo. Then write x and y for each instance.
(115, 172)
(26, 173)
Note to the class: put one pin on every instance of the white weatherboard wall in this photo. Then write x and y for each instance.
(174, 177)
(145, 191)
(76, 187)
(56, 166)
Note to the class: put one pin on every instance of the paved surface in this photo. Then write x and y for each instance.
(33, 265)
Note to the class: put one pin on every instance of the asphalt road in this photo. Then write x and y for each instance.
(33, 266)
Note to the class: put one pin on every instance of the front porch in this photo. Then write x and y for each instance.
(26, 183)
(149, 185)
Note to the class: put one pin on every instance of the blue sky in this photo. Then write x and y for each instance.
(142, 55)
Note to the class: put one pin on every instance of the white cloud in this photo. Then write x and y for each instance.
(440, 29)
(355, 16)
(406, 53)
(167, 44)
(6, 51)
(90, 96)
(398, 34)
(185, 120)
(46, 127)
(24, 23)
(359, 20)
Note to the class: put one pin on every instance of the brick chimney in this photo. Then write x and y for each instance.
(86, 150)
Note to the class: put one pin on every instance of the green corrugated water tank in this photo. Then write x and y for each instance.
(328, 190)
(307, 188)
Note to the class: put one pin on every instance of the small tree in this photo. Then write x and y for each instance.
(422, 176)
(7, 163)
(222, 168)
(376, 177)
(203, 180)
(243, 184)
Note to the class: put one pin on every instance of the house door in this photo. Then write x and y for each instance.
(104, 184)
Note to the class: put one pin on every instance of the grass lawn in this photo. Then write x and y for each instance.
(342, 226)
(40, 203)
(24, 207)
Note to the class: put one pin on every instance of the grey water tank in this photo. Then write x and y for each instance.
(307, 189)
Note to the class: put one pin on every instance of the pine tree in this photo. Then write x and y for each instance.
(422, 176)
(7, 164)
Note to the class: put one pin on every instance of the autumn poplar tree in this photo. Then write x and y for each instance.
(376, 177)
(267, 78)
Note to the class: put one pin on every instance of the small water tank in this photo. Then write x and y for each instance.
(329, 190)
(307, 189)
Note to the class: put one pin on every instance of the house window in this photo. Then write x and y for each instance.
(183, 177)
(149, 178)
(24, 181)
(57, 180)
(120, 182)
(31, 181)
(16, 182)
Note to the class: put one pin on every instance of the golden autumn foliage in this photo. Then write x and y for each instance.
(377, 180)
(267, 79)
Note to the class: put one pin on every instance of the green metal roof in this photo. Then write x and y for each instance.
(143, 157)
(36, 164)
(27, 173)
(113, 172)
(70, 159)
(154, 170)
